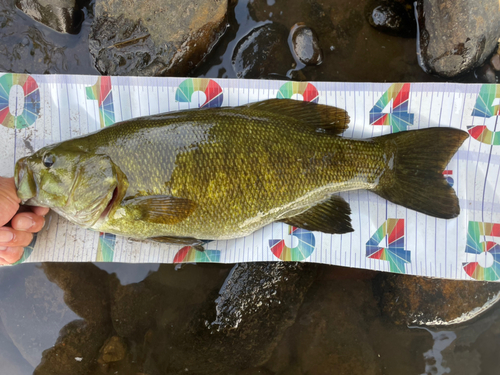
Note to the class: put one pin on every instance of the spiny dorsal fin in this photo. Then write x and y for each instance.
(161, 209)
(321, 117)
(331, 216)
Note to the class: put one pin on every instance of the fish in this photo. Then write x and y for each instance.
(203, 174)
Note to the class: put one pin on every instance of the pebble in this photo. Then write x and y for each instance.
(495, 62)
(306, 45)
(393, 18)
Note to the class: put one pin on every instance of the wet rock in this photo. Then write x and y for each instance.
(263, 51)
(256, 304)
(75, 351)
(393, 17)
(425, 301)
(154, 37)
(456, 36)
(113, 350)
(164, 297)
(495, 62)
(306, 45)
(32, 310)
(65, 16)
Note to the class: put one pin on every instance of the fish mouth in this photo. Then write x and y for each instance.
(24, 181)
(110, 204)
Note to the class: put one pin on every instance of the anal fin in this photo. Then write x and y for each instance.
(331, 216)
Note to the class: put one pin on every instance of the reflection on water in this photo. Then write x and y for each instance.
(63, 318)
(434, 363)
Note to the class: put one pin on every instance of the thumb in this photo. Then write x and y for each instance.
(9, 201)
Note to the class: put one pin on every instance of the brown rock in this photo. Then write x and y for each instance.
(456, 36)
(154, 37)
(113, 350)
(495, 62)
(426, 301)
(75, 351)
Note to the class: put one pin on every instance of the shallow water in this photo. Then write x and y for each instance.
(103, 318)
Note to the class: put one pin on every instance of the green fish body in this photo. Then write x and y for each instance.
(221, 173)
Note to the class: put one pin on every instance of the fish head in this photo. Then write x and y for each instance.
(77, 184)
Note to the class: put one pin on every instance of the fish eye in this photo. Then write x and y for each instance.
(48, 160)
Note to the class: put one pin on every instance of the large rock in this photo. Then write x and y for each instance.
(154, 37)
(456, 36)
(426, 301)
(255, 306)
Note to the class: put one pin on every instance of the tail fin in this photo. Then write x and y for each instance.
(415, 180)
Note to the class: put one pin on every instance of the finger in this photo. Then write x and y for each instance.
(40, 211)
(9, 201)
(10, 255)
(28, 222)
(14, 238)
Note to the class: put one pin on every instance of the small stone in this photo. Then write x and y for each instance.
(394, 18)
(495, 62)
(263, 51)
(306, 45)
(417, 300)
(113, 350)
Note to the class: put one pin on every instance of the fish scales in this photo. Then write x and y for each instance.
(239, 168)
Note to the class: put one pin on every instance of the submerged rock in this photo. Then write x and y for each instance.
(75, 351)
(416, 300)
(456, 36)
(305, 45)
(263, 51)
(65, 16)
(154, 37)
(331, 331)
(255, 306)
(393, 17)
(113, 350)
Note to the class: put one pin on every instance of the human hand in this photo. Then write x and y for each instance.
(23, 222)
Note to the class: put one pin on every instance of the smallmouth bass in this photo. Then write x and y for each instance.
(222, 173)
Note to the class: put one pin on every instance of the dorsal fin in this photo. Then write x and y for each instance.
(325, 118)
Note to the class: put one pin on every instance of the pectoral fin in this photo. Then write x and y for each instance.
(331, 216)
(161, 209)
